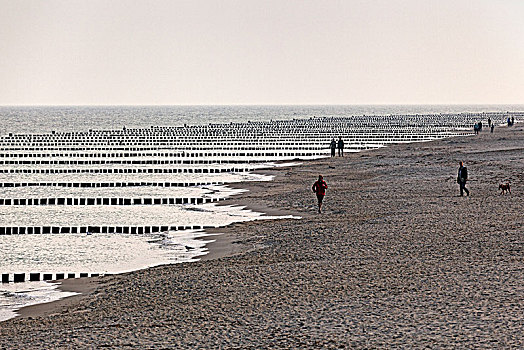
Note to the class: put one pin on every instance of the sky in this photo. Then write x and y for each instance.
(207, 52)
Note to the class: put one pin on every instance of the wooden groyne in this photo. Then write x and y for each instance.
(93, 229)
(108, 201)
(21, 277)
(108, 184)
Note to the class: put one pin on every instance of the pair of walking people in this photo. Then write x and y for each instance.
(333, 146)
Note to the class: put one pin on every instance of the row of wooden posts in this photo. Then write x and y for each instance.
(20, 230)
(127, 170)
(108, 201)
(37, 276)
(108, 184)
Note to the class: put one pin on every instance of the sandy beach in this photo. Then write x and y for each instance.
(397, 259)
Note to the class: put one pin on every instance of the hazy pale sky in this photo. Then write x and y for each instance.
(129, 52)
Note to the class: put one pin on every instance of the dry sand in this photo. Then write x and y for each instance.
(397, 259)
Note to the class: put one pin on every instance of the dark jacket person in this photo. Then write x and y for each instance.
(462, 177)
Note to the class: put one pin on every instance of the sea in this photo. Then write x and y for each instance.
(90, 207)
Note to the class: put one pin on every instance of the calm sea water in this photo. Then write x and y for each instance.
(113, 253)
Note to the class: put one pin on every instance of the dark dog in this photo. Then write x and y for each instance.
(505, 188)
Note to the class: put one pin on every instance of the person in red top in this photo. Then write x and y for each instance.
(319, 187)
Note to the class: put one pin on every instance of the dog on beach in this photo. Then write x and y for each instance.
(505, 188)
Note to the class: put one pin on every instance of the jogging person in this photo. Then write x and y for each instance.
(319, 187)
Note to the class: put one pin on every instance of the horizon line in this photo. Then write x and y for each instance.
(263, 104)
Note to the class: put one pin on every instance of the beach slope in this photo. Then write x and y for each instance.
(397, 259)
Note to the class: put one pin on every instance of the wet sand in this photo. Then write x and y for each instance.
(82, 286)
(397, 259)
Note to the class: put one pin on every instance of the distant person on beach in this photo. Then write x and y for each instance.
(333, 146)
(340, 147)
(492, 127)
(489, 122)
(319, 187)
(512, 120)
(462, 177)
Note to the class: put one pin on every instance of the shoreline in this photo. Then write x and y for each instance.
(396, 259)
(83, 286)
(223, 246)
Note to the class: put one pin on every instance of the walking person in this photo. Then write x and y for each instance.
(462, 178)
(319, 187)
(340, 147)
(333, 146)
